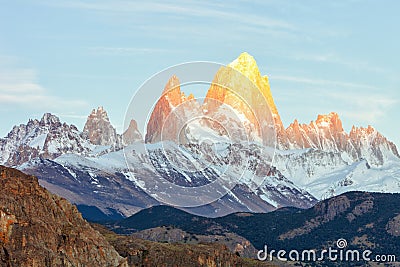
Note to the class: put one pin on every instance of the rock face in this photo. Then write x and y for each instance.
(242, 79)
(241, 86)
(163, 123)
(48, 138)
(99, 130)
(41, 229)
(131, 134)
(327, 134)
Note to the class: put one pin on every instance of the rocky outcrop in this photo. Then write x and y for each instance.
(168, 114)
(327, 134)
(41, 229)
(325, 211)
(99, 130)
(234, 242)
(393, 226)
(131, 134)
(240, 87)
(360, 209)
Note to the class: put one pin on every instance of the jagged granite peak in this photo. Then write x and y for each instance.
(372, 145)
(326, 133)
(158, 128)
(331, 120)
(47, 138)
(38, 228)
(99, 130)
(131, 134)
(242, 77)
(247, 65)
(320, 157)
(49, 118)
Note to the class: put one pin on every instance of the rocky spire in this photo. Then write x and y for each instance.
(99, 129)
(131, 134)
(172, 97)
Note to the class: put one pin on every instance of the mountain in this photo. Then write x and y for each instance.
(132, 134)
(48, 138)
(99, 130)
(106, 182)
(163, 123)
(328, 161)
(230, 138)
(103, 182)
(364, 220)
(241, 87)
(326, 134)
(38, 228)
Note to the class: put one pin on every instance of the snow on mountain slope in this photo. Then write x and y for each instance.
(45, 138)
(97, 177)
(327, 174)
(359, 176)
(49, 138)
(327, 134)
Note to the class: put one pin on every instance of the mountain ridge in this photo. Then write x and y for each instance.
(366, 220)
(312, 161)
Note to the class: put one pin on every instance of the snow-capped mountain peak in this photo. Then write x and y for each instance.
(319, 157)
(45, 138)
(49, 119)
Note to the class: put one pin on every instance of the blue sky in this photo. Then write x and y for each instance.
(67, 57)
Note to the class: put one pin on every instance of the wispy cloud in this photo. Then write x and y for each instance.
(364, 107)
(361, 103)
(321, 82)
(126, 50)
(72, 116)
(332, 58)
(20, 86)
(178, 8)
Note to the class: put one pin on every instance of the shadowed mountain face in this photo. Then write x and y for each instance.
(38, 228)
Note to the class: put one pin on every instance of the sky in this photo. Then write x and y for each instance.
(70, 56)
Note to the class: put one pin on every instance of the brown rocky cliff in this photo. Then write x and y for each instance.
(38, 228)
